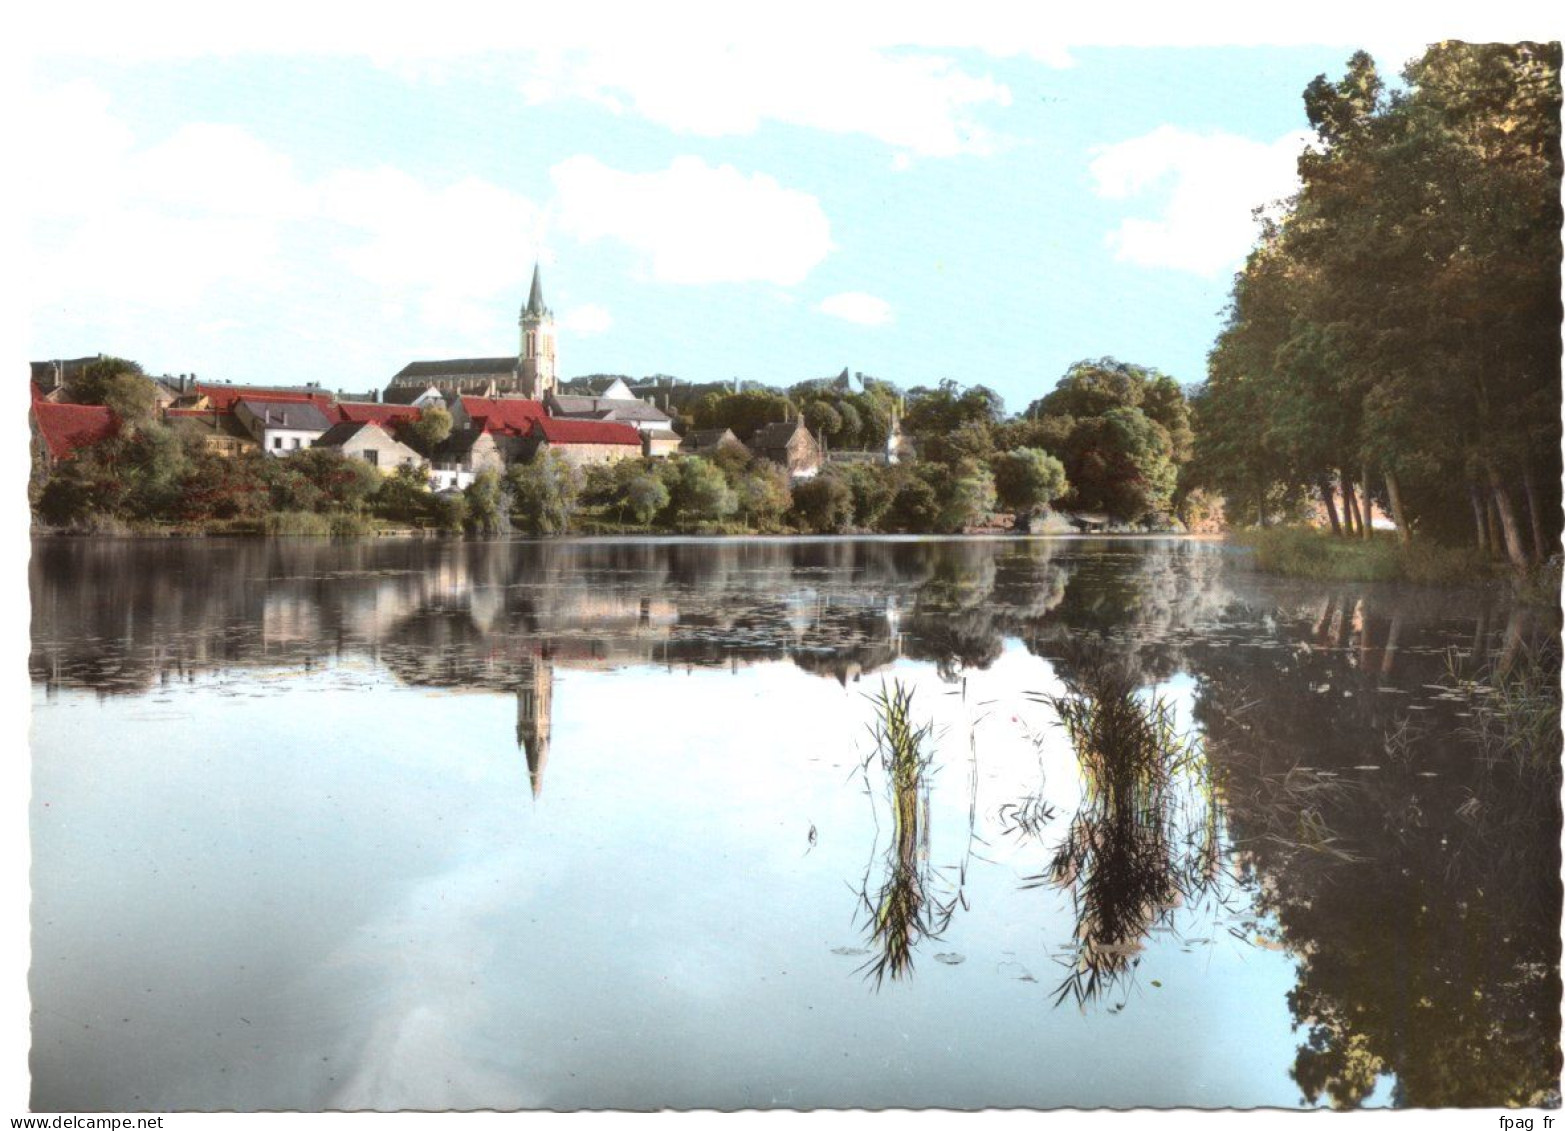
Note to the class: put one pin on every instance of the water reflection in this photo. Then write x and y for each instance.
(1145, 840)
(1333, 816)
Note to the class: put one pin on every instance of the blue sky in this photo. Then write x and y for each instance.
(982, 200)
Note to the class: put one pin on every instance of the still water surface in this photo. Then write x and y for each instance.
(601, 824)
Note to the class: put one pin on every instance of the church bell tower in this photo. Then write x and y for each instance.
(536, 364)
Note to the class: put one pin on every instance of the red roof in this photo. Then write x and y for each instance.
(224, 396)
(557, 431)
(67, 427)
(364, 412)
(503, 414)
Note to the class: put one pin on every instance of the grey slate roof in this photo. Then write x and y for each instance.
(770, 437)
(300, 415)
(426, 371)
(602, 408)
(404, 394)
(341, 433)
(702, 439)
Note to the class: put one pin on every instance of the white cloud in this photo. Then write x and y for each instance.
(696, 223)
(1205, 186)
(856, 306)
(454, 246)
(586, 320)
(918, 103)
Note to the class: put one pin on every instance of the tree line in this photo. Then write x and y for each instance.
(1394, 336)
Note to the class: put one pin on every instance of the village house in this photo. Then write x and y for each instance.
(365, 440)
(508, 419)
(585, 442)
(790, 444)
(59, 431)
(51, 377)
(281, 426)
(219, 433)
(709, 441)
(462, 457)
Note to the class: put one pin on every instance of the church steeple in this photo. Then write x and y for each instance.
(535, 363)
(535, 304)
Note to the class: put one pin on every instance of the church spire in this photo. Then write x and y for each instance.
(535, 304)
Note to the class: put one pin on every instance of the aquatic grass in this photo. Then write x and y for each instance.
(1514, 703)
(901, 913)
(1146, 838)
(1299, 551)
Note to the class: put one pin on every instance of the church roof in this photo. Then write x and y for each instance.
(474, 367)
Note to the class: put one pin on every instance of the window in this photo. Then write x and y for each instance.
(372, 457)
(277, 441)
(296, 441)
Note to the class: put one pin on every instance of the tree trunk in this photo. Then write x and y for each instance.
(1480, 518)
(1329, 497)
(1508, 524)
(1260, 509)
(1366, 506)
(1350, 506)
(1398, 515)
(1492, 518)
(1388, 654)
(1540, 548)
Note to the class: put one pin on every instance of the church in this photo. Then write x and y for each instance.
(532, 373)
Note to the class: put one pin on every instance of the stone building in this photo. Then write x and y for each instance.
(365, 440)
(532, 373)
(789, 443)
(584, 442)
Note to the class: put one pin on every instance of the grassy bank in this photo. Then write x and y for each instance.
(1296, 551)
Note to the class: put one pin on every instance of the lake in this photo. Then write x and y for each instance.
(605, 824)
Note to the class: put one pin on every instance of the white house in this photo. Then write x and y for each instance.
(281, 427)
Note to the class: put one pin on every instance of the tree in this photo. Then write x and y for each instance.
(645, 497)
(431, 428)
(91, 382)
(488, 507)
(701, 493)
(763, 495)
(1026, 481)
(1121, 463)
(544, 493)
(823, 504)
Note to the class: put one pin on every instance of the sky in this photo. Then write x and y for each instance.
(980, 196)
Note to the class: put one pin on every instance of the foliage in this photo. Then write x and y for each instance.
(94, 380)
(544, 493)
(430, 430)
(763, 495)
(1306, 552)
(700, 492)
(1027, 480)
(488, 504)
(1397, 327)
(823, 504)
